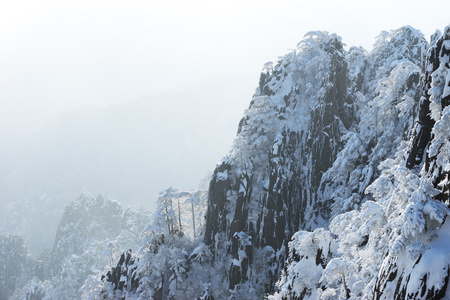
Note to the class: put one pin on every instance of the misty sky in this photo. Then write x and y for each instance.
(61, 55)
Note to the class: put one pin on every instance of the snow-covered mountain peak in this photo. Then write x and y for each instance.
(395, 46)
(322, 39)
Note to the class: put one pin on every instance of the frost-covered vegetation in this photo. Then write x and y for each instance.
(171, 248)
(391, 242)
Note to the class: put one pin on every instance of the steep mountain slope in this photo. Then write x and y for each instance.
(420, 268)
(386, 113)
(290, 136)
(325, 194)
(396, 245)
(298, 194)
(386, 110)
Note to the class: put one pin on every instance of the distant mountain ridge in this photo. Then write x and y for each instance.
(129, 152)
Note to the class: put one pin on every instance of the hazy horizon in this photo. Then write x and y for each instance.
(58, 59)
(57, 56)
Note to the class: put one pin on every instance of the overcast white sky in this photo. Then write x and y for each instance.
(60, 55)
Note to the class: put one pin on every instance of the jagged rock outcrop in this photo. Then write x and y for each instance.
(386, 89)
(385, 115)
(426, 274)
(117, 274)
(266, 189)
(435, 98)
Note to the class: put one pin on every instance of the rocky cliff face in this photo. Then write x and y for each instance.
(387, 95)
(386, 87)
(426, 274)
(395, 244)
(322, 145)
(266, 189)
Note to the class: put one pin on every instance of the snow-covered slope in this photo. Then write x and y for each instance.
(418, 264)
(325, 194)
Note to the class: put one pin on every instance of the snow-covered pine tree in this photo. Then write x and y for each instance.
(172, 263)
(418, 264)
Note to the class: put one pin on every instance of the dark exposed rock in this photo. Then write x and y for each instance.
(424, 290)
(421, 135)
(436, 62)
(285, 203)
(118, 274)
(216, 214)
